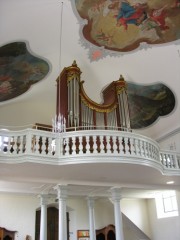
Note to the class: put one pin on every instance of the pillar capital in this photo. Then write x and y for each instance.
(44, 198)
(90, 201)
(61, 191)
(116, 193)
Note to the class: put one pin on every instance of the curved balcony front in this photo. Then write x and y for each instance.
(86, 146)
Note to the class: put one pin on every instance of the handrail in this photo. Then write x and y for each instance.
(87, 146)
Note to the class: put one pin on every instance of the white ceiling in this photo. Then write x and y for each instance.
(37, 22)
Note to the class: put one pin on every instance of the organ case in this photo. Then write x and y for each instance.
(81, 112)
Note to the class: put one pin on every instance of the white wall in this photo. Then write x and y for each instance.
(137, 212)
(163, 228)
(17, 213)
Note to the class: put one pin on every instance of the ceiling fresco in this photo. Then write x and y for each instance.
(124, 25)
(148, 103)
(19, 69)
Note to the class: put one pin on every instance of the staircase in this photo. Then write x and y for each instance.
(131, 231)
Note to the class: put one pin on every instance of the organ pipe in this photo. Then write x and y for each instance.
(80, 111)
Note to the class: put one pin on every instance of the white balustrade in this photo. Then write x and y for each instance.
(119, 146)
(170, 160)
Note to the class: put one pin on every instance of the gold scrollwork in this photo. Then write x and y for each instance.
(98, 107)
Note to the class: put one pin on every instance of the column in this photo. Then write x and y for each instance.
(62, 196)
(116, 197)
(92, 231)
(43, 221)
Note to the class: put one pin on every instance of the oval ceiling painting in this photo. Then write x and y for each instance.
(121, 25)
(19, 69)
(148, 103)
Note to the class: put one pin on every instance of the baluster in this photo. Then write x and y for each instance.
(114, 145)
(12, 143)
(108, 140)
(38, 144)
(1, 144)
(147, 150)
(166, 160)
(129, 145)
(77, 145)
(121, 145)
(73, 146)
(144, 148)
(133, 146)
(118, 144)
(175, 161)
(9, 147)
(69, 143)
(178, 161)
(91, 143)
(66, 146)
(84, 144)
(161, 158)
(95, 145)
(140, 147)
(42, 141)
(126, 150)
(20, 144)
(152, 151)
(23, 144)
(80, 145)
(156, 154)
(34, 144)
(87, 145)
(47, 145)
(101, 144)
(171, 162)
(49, 148)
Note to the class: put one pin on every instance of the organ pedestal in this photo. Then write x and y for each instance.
(81, 112)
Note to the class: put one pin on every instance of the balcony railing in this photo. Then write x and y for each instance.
(33, 145)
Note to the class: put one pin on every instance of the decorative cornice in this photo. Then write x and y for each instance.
(170, 134)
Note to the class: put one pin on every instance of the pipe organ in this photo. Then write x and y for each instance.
(81, 112)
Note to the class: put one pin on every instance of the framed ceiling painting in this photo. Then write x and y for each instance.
(125, 25)
(147, 103)
(19, 70)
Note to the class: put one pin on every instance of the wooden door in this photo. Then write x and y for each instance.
(52, 224)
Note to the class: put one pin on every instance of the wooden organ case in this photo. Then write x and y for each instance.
(6, 234)
(80, 112)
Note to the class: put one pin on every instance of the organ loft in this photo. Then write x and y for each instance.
(80, 112)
